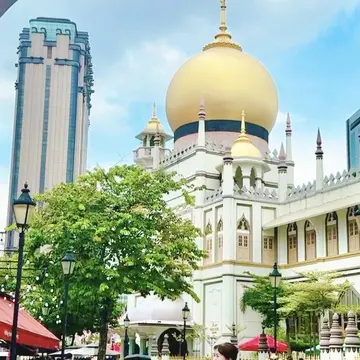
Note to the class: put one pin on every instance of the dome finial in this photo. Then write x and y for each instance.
(223, 26)
(222, 38)
(154, 110)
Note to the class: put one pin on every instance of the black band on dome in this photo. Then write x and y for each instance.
(222, 125)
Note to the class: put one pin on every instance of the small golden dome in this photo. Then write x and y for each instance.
(242, 146)
(228, 80)
(154, 127)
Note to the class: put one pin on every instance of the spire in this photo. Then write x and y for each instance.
(288, 130)
(154, 110)
(222, 38)
(282, 159)
(243, 146)
(243, 130)
(202, 112)
(201, 141)
(223, 26)
(319, 152)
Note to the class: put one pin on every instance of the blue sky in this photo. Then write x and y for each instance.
(311, 48)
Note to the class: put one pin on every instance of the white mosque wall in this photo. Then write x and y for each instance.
(249, 320)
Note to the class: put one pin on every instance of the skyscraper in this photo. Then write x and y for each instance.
(352, 141)
(53, 101)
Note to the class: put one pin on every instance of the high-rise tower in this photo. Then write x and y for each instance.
(53, 101)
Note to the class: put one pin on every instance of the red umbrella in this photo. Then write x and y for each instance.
(253, 344)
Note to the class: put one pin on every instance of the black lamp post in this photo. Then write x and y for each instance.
(275, 278)
(68, 265)
(185, 313)
(126, 337)
(23, 208)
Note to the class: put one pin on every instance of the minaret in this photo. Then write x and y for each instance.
(152, 148)
(288, 132)
(319, 163)
(201, 130)
(282, 171)
(156, 149)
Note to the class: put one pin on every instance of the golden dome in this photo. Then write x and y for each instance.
(228, 80)
(242, 146)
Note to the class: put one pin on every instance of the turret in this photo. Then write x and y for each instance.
(319, 163)
(201, 142)
(289, 159)
(200, 174)
(282, 171)
(248, 163)
(288, 132)
(152, 148)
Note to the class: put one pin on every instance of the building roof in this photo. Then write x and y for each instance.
(154, 311)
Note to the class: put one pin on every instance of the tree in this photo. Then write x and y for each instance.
(311, 297)
(125, 237)
(260, 297)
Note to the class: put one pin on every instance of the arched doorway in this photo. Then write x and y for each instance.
(176, 346)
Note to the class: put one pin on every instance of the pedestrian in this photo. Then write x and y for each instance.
(225, 351)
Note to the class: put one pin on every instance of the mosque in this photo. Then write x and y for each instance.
(221, 106)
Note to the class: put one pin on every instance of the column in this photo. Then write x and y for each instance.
(352, 341)
(263, 349)
(336, 339)
(227, 306)
(324, 340)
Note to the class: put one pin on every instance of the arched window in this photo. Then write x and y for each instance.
(239, 178)
(243, 240)
(253, 178)
(220, 241)
(353, 231)
(310, 240)
(292, 243)
(152, 141)
(331, 225)
(208, 243)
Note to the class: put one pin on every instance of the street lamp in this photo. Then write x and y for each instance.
(68, 265)
(23, 208)
(126, 337)
(275, 279)
(185, 313)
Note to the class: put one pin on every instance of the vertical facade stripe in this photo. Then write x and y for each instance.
(72, 118)
(17, 138)
(45, 128)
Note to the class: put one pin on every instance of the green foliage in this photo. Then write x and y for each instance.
(260, 297)
(125, 238)
(317, 294)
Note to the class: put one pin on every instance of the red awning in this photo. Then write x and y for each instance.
(253, 344)
(30, 331)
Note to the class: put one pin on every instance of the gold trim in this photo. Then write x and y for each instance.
(281, 266)
(320, 260)
(222, 44)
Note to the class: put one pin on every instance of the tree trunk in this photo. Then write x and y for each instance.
(287, 325)
(104, 327)
(73, 339)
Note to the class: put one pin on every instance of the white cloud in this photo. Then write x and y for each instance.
(286, 23)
